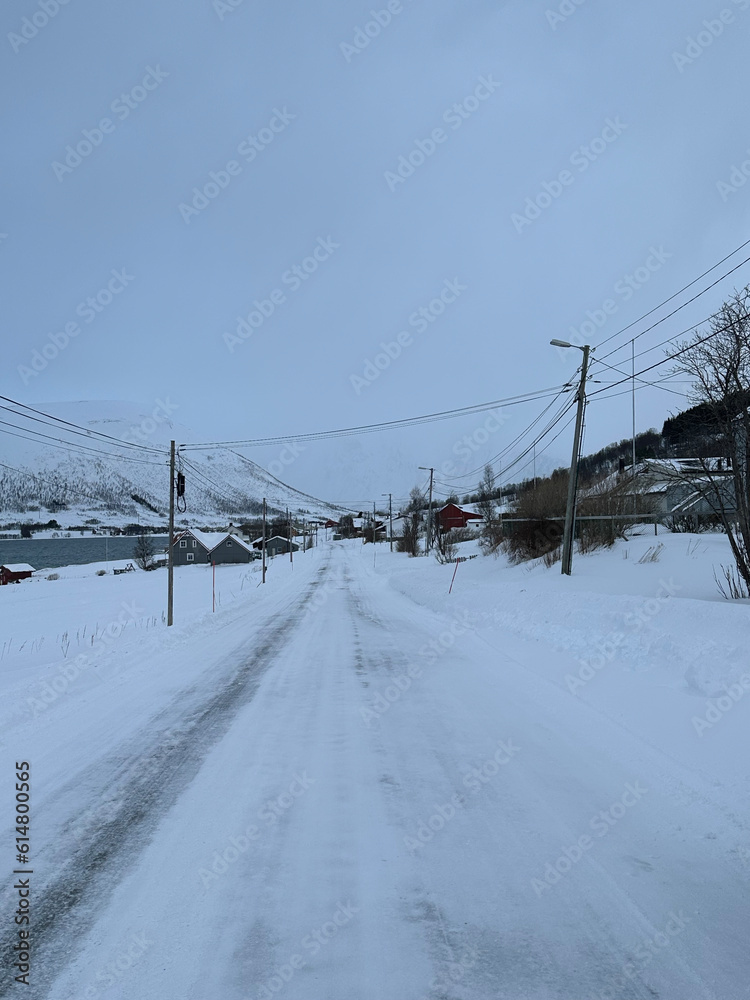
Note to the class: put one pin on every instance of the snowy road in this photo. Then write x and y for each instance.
(361, 799)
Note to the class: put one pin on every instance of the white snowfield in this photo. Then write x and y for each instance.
(351, 785)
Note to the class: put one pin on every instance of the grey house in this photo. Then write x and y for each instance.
(276, 545)
(210, 547)
(679, 486)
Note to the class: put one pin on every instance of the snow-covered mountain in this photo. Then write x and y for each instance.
(92, 477)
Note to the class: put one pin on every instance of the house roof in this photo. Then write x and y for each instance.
(259, 541)
(465, 510)
(18, 567)
(210, 539)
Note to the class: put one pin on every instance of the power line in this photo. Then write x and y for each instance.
(214, 487)
(371, 428)
(671, 297)
(70, 446)
(519, 437)
(670, 357)
(75, 428)
(658, 385)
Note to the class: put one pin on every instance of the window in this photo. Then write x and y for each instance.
(190, 557)
(229, 541)
(193, 543)
(183, 544)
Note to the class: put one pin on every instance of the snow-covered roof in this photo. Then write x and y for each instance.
(18, 567)
(210, 539)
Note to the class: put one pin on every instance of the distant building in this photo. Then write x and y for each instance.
(276, 545)
(453, 516)
(15, 572)
(220, 547)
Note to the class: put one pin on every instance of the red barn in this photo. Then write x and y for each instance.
(453, 516)
(15, 572)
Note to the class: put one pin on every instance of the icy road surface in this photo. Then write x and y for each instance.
(318, 798)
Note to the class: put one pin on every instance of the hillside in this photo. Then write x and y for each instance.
(39, 480)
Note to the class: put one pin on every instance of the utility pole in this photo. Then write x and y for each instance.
(263, 543)
(373, 522)
(170, 553)
(567, 554)
(291, 554)
(390, 516)
(635, 495)
(428, 536)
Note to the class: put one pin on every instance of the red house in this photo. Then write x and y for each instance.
(15, 572)
(453, 516)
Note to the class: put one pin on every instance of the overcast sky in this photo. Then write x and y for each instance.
(305, 113)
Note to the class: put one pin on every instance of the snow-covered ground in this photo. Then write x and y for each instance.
(351, 783)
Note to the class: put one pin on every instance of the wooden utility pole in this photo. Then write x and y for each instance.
(635, 495)
(170, 544)
(263, 543)
(390, 517)
(291, 553)
(428, 534)
(567, 553)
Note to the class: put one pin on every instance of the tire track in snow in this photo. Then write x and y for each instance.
(148, 775)
(451, 949)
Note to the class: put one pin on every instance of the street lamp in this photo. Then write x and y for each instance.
(567, 553)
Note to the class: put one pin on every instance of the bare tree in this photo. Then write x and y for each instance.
(487, 507)
(409, 541)
(719, 365)
(144, 552)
